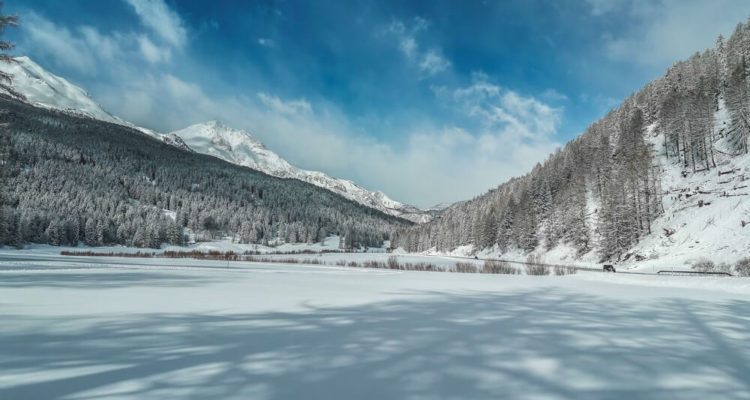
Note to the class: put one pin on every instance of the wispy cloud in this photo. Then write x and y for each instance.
(77, 49)
(664, 31)
(504, 110)
(157, 16)
(266, 42)
(433, 62)
(151, 52)
(601, 7)
(434, 163)
(504, 135)
(553, 96)
(90, 51)
(290, 107)
(429, 61)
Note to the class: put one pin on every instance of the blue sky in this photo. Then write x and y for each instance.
(429, 101)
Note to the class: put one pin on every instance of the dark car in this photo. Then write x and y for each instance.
(609, 268)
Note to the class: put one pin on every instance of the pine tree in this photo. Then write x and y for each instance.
(5, 222)
(73, 230)
(5, 78)
(54, 234)
(322, 234)
(90, 235)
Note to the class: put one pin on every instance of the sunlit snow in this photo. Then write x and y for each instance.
(95, 328)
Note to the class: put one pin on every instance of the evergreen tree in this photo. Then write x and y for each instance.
(5, 78)
(75, 178)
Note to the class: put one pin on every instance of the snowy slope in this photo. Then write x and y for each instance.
(239, 147)
(45, 89)
(235, 146)
(703, 212)
(703, 215)
(688, 231)
(48, 90)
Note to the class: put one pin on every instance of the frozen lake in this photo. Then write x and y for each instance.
(115, 328)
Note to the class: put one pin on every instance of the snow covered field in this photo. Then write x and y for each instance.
(96, 328)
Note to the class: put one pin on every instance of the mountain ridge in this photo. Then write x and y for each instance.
(67, 179)
(662, 176)
(45, 89)
(240, 147)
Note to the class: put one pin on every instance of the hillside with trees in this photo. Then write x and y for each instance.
(602, 192)
(66, 179)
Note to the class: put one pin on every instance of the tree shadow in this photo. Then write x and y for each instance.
(546, 343)
(108, 280)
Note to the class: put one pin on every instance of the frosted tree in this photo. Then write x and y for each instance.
(5, 46)
(737, 89)
(505, 227)
(738, 101)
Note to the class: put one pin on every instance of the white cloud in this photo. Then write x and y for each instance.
(265, 42)
(666, 31)
(396, 27)
(88, 50)
(433, 62)
(408, 46)
(553, 95)
(67, 48)
(105, 46)
(285, 107)
(437, 163)
(179, 89)
(161, 100)
(433, 164)
(157, 16)
(429, 62)
(600, 7)
(151, 52)
(493, 106)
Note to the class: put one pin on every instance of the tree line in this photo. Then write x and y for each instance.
(601, 192)
(67, 179)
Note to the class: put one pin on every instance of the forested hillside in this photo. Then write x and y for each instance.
(65, 179)
(602, 192)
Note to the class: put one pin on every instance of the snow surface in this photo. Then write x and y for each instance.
(327, 252)
(113, 328)
(331, 243)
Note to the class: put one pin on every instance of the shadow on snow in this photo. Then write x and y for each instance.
(543, 343)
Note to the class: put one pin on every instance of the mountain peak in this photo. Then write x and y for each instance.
(217, 130)
(234, 145)
(212, 137)
(240, 147)
(46, 89)
(215, 123)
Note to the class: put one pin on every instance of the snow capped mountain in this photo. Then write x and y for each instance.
(241, 148)
(235, 146)
(45, 89)
(51, 91)
(176, 141)
(441, 206)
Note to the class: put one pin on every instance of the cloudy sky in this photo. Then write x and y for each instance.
(429, 101)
